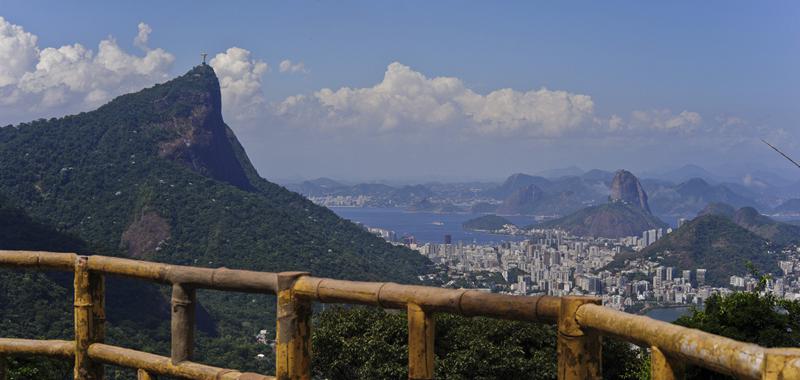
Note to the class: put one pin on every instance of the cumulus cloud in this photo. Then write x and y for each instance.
(407, 99)
(240, 82)
(539, 112)
(656, 120)
(18, 52)
(287, 66)
(71, 77)
(143, 36)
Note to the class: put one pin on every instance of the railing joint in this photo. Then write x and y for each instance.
(579, 349)
(293, 330)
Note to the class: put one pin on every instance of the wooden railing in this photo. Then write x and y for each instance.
(581, 323)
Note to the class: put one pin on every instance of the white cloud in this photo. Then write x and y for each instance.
(407, 99)
(615, 123)
(240, 82)
(143, 36)
(18, 52)
(539, 112)
(657, 120)
(287, 66)
(70, 78)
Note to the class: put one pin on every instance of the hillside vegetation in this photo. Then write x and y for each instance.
(157, 175)
(716, 243)
(486, 223)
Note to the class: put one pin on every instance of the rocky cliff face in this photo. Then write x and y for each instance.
(199, 137)
(158, 175)
(625, 187)
(522, 201)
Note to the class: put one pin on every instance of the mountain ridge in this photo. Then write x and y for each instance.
(157, 175)
(627, 213)
(715, 243)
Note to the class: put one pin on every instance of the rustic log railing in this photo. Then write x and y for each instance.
(581, 323)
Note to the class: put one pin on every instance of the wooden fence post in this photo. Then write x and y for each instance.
(293, 332)
(3, 368)
(143, 375)
(663, 367)
(421, 335)
(781, 364)
(184, 301)
(579, 350)
(89, 313)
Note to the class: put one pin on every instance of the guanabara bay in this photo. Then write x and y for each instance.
(157, 175)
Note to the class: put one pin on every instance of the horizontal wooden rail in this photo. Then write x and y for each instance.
(162, 365)
(465, 302)
(207, 278)
(38, 260)
(727, 356)
(219, 279)
(581, 323)
(22, 347)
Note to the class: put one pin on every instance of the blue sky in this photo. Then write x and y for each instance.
(687, 81)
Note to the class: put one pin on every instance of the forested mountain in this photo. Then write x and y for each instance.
(749, 218)
(610, 220)
(716, 243)
(158, 175)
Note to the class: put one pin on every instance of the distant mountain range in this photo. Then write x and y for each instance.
(626, 214)
(678, 193)
(789, 207)
(688, 198)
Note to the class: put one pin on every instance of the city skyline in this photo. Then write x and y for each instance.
(437, 91)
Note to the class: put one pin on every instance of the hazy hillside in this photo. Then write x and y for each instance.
(611, 220)
(689, 197)
(716, 243)
(749, 218)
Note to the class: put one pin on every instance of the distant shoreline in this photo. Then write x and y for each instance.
(649, 308)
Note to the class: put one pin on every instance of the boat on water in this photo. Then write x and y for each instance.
(437, 223)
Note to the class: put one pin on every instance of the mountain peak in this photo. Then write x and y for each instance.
(625, 187)
(185, 114)
(718, 208)
(522, 201)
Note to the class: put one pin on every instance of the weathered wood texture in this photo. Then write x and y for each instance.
(64, 349)
(727, 356)
(143, 375)
(184, 300)
(89, 319)
(581, 321)
(161, 365)
(456, 301)
(579, 349)
(421, 335)
(663, 367)
(293, 331)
